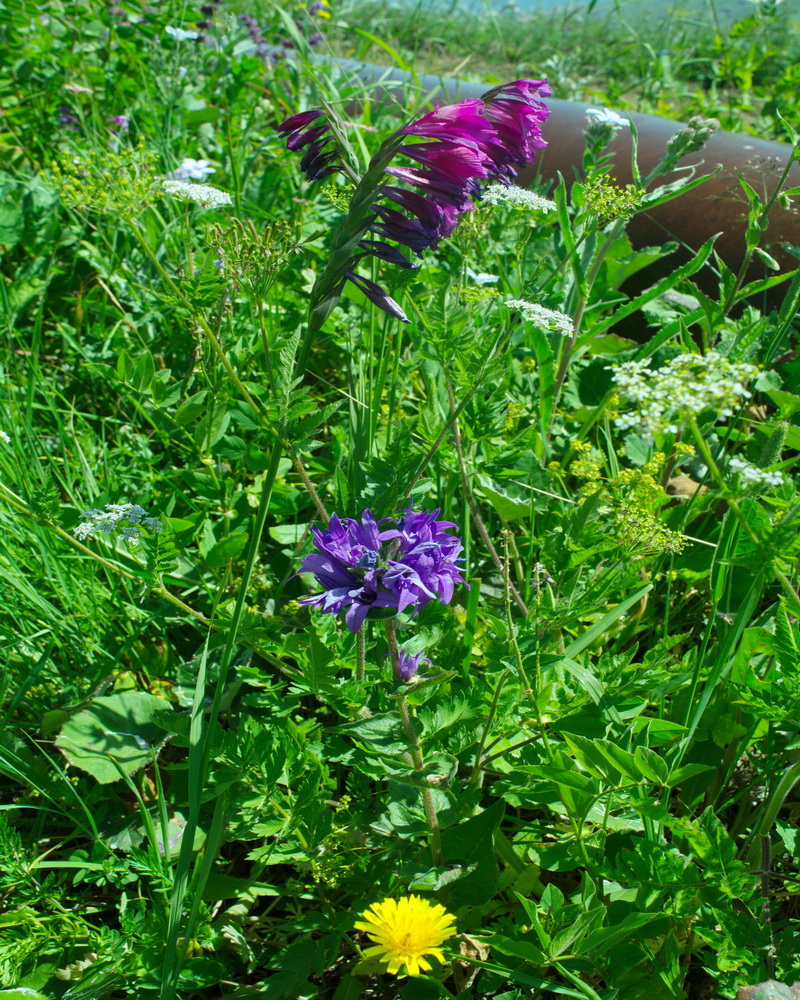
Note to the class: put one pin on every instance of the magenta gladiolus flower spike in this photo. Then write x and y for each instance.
(362, 567)
(464, 146)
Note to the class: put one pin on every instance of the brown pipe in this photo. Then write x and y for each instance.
(717, 206)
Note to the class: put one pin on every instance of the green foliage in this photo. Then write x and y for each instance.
(205, 781)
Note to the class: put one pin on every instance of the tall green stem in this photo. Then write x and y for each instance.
(415, 752)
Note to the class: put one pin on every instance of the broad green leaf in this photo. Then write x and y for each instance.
(118, 729)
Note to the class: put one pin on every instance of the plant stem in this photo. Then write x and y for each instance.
(475, 777)
(361, 654)
(415, 752)
(473, 507)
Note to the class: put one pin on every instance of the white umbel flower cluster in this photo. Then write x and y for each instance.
(499, 194)
(4, 437)
(664, 398)
(751, 475)
(205, 195)
(546, 319)
(605, 116)
(124, 518)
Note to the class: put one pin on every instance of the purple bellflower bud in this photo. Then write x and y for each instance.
(408, 664)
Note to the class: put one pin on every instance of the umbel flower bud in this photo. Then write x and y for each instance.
(692, 138)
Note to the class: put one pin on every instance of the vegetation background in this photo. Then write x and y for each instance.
(205, 782)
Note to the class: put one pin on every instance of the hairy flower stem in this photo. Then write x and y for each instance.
(741, 517)
(415, 751)
(301, 471)
(361, 654)
(760, 224)
(473, 507)
(477, 768)
(586, 291)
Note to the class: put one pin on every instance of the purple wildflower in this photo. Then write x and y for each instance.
(465, 145)
(408, 664)
(362, 567)
(121, 121)
(320, 158)
(67, 118)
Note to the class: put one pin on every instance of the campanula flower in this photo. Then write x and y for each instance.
(408, 663)
(365, 568)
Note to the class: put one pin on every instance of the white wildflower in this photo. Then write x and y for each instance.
(481, 278)
(499, 194)
(664, 398)
(180, 34)
(205, 195)
(124, 518)
(605, 116)
(4, 437)
(751, 475)
(546, 319)
(191, 170)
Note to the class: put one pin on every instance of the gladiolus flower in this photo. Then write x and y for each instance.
(466, 145)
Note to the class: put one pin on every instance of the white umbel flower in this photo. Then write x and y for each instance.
(499, 194)
(181, 34)
(4, 437)
(124, 518)
(751, 475)
(665, 397)
(605, 116)
(545, 319)
(204, 195)
(191, 169)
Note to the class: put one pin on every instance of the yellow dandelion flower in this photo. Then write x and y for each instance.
(405, 930)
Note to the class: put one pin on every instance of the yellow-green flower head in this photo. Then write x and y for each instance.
(405, 930)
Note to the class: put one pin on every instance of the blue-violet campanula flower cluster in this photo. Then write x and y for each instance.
(363, 566)
(467, 146)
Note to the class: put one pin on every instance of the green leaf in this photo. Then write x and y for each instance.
(22, 993)
(620, 759)
(605, 938)
(119, 728)
(471, 844)
(686, 772)
(143, 372)
(227, 549)
(605, 622)
(651, 765)
(526, 950)
(659, 288)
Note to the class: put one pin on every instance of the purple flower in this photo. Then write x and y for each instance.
(320, 158)
(121, 121)
(362, 567)
(408, 664)
(465, 145)
(67, 118)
